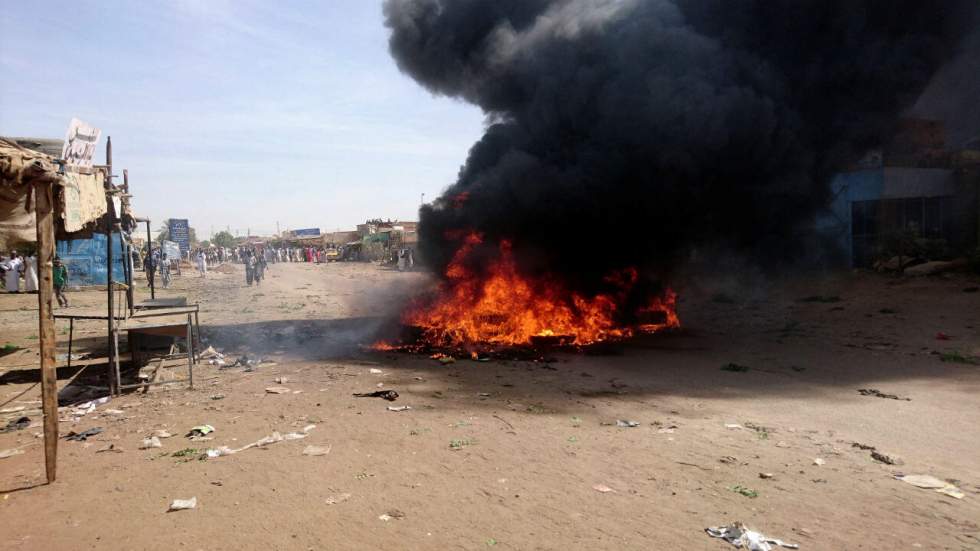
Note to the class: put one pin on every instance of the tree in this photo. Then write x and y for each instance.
(223, 239)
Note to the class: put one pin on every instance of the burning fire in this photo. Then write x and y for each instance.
(502, 307)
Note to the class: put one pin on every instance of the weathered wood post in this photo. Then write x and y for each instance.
(43, 202)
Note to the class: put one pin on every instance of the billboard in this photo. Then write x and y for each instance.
(86, 260)
(180, 233)
(307, 232)
(80, 142)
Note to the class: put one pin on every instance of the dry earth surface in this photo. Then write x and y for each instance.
(509, 454)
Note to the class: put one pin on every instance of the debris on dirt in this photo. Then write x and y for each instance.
(728, 460)
(742, 538)
(200, 430)
(389, 395)
(766, 476)
(84, 435)
(4, 454)
(928, 482)
(733, 426)
(316, 451)
(458, 444)
(861, 446)
(265, 441)
(151, 442)
(282, 380)
(625, 423)
(399, 408)
(735, 368)
(110, 448)
(742, 490)
(818, 461)
(182, 504)
(393, 514)
(209, 353)
(888, 459)
(602, 488)
(375, 371)
(88, 407)
(667, 430)
(17, 424)
(277, 390)
(217, 396)
(879, 394)
(337, 498)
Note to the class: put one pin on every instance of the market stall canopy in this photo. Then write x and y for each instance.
(79, 194)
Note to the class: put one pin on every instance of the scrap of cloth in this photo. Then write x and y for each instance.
(742, 538)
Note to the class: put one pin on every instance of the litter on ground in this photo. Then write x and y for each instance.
(742, 538)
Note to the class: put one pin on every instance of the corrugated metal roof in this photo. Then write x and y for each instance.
(48, 146)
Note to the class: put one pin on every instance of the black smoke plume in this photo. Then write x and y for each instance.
(633, 133)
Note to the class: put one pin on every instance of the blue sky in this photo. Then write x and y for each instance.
(236, 113)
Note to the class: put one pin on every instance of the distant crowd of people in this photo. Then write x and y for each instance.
(15, 267)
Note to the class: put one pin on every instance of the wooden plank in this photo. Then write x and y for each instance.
(46, 333)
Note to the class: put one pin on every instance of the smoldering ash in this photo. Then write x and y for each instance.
(624, 135)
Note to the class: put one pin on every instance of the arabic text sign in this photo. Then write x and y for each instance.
(180, 233)
(80, 142)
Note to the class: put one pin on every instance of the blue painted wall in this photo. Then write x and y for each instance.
(86, 259)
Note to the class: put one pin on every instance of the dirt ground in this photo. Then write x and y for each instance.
(509, 454)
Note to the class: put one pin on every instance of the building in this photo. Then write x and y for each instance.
(913, 197)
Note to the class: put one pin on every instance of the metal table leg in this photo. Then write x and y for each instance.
(71, 333)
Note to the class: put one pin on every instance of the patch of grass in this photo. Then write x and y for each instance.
(576, 422)
(9, 349)
(761, 431)
(821, 299)
(958, 358)
(186, 452)
(537, 408)
(418, 431)
(458, 444)
(742, 490)
(458, 424)
(491, 542)
(32, 338)
(573, 439)
(735, 368)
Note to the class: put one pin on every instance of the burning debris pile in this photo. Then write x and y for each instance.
(499, 306)
(626, 136)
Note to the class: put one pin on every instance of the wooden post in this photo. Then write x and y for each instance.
(49, 375)
(108, 276)
(130, 298)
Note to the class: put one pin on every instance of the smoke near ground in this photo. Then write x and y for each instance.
(631, 133)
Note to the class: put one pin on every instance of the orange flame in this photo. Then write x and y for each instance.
(502, 307)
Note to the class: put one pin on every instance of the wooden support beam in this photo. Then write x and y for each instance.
(49, 376)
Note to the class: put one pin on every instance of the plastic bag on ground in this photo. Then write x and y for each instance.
(742, 538)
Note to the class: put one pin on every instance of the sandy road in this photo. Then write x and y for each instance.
(507, 454)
